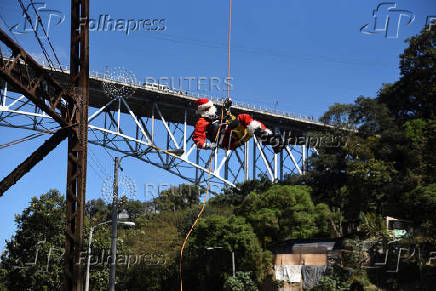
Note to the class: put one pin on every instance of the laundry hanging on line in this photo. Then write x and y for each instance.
(311, 275)
(289, 273)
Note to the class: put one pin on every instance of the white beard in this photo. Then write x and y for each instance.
(211, 112)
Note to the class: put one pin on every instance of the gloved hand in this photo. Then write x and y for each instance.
(210, 146)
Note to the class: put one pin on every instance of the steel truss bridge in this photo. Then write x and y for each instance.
(159, 116)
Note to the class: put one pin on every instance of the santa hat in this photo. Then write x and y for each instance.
(203, 104)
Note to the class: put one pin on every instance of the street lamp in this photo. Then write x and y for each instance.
(128, 223)
(233, 257)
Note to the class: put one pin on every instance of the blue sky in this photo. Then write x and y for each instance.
(301, 56)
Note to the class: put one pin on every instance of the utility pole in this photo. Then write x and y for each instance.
(114, 227)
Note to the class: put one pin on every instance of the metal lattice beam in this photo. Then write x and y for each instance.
(23, 73)
(33, 159)
(134, 135)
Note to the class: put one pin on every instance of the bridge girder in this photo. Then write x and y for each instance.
(117, 126)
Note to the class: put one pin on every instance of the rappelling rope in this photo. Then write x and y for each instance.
(228, 52)
(202, 207)
(211, 156)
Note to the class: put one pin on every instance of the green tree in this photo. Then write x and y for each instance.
(367, 185)
(33, 257)
(337, 279)
(418, 149)
(211, 267)
(154, 244)
(284, 212)
(413, 95)
(338, 115)
(420, 204)
(134, 208)
(235, 195)
(241, 282)
(97, 209)
(176, 198)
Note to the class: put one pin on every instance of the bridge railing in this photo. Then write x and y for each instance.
(166, 89)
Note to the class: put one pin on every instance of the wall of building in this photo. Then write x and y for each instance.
(300, 259)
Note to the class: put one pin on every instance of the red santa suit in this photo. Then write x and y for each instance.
(231, 135)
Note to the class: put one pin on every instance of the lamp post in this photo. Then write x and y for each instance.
(233, 258)
(115, 217)
(129, 223)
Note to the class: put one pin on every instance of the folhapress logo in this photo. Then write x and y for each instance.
(388, 19)
(106, 23)
(48, 18)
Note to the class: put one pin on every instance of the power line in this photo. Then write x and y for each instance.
(96, 171)
(44, 51)
(7, 25)
(29, 137)
(95, 160)
(264, 51)
(46, 35)
(110, 156)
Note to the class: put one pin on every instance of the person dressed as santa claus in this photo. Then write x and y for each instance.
(230, 134)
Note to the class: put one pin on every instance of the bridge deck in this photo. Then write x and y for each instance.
(173, 105)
